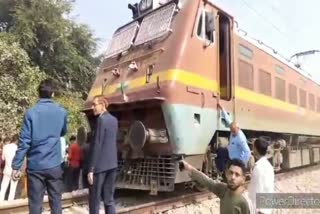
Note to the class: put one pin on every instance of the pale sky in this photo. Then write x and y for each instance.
(289, 26)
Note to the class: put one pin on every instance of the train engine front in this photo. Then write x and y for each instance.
(144, 78)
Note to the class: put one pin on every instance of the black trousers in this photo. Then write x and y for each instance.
(103, 188)
(73, 180)
(85, 182)
(38, 183)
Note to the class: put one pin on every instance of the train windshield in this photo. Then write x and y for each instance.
(154, 25)
(122, 39)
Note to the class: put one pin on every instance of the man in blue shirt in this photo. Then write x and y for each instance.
(39, 140)
(238, 147)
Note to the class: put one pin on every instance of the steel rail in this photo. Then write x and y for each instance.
(80, 198)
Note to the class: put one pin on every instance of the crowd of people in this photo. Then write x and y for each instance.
(234, 161)
(39, 160)
(74, 160)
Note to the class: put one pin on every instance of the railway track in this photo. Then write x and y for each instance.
(160, 205)
(20, 206)
(196, 197)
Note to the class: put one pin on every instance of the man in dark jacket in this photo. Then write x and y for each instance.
(103, 161)
(39, 140)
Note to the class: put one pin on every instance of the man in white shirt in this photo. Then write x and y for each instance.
(262, 178)
(8, 152)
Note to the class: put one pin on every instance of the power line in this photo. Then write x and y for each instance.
(298, 56)
(276, 11)
(263, 17)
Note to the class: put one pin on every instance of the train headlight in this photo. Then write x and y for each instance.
(145, 5)
(133, 66)
(116, 72)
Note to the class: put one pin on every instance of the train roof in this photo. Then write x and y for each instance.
(256, 42)
(272, 52)
(264, 47)
(220, 9)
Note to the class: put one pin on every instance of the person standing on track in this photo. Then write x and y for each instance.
(231, 194)
(8, 152)
(85, 160)
(103, 159)
(262, 178)
(74, 158)
(39, 140)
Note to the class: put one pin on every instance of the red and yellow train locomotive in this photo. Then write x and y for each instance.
(165, 72)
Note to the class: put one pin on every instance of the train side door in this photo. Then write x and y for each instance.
(225, 60)
(225, 68)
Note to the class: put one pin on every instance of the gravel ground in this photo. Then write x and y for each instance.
(303, 183)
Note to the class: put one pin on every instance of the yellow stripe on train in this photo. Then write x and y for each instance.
(195, 80)
(181, 76)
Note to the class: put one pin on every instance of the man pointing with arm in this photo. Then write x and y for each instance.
(233, 198)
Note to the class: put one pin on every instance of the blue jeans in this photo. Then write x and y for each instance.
(103, 188)
(38, 183)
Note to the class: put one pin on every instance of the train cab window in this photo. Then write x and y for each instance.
(280, 91)
(293, 97)
(245, 77)
(264, 82)
(206, 26)
(303, 98)
(318, 104)
(311, 102)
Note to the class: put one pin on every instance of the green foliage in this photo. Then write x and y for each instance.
(18, 84)
(38, 40)
(72, 102)
(60, 47)
(18, 89)
(5, 18)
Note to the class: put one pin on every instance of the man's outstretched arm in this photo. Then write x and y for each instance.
(213, 186)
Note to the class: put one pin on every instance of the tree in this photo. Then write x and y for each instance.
(18, 83)
(37, 40)
(18, 89)
(5, 18)
(73, 102)
(60, 47)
